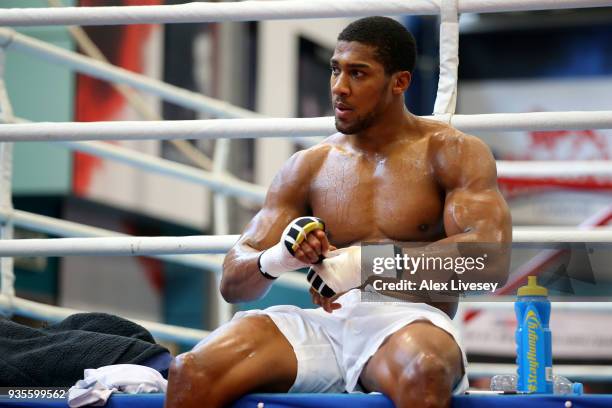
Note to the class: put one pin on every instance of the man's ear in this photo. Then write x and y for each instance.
(401, 82)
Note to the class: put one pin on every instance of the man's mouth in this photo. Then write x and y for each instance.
(342, 111)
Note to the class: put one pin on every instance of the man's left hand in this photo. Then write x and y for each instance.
(328, 304)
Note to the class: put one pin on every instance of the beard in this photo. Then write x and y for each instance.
(363, 122)
(358, 125)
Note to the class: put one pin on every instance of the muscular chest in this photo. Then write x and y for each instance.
(362, 199)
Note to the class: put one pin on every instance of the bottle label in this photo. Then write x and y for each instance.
(549, 374)
(533, 341)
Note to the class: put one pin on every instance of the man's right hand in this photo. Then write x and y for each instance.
(313, 248)
(302, 243)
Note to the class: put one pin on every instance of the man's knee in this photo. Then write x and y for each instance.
(426, 370)
(426, 382)
(185, 367)
(417, 366)
(188, 382)
(198, 375)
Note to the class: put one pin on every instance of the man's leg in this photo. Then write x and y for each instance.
(246, 355)
(416, 367)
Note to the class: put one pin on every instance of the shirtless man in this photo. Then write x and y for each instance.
(387, 175)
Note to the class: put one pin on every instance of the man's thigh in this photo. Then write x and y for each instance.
(418, 349)
(245, 355)
(251, 350)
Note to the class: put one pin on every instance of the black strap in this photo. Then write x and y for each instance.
(265, 274)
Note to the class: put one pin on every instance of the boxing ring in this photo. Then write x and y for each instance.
(234, 122)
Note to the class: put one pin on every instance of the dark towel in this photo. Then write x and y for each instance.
(57, 355)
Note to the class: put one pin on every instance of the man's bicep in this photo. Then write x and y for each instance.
(286, 200)
(481, 215)
(474, 206)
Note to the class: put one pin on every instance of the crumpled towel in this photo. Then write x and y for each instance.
(98, 385)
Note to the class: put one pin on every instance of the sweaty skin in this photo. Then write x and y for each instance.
(388, 175)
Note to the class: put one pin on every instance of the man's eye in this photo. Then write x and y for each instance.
(335, 70)
(357, 74)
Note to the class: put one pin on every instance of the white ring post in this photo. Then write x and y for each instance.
(7, 277)
(446, 99)
(221, 225)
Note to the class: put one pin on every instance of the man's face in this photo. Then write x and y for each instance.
(359, 87)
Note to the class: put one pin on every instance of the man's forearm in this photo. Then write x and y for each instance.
(242, 281)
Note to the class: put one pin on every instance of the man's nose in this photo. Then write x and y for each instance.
(340, 85)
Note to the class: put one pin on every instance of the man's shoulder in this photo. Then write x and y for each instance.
(306, 162)
(332, 141)
(444, 138)
(456, 155)
(321, 149)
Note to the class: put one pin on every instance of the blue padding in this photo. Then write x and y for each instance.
(380, 401)
(532, 401)
(338, 401)
(314, 401)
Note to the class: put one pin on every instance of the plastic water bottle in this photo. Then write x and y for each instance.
(533, 339)
(561, 385)
(504, 382)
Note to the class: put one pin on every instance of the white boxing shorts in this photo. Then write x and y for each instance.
(333, 348)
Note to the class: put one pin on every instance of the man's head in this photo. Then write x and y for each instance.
(394, 45)
(371, 68)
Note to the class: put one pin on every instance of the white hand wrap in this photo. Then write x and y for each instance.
(280, 258)
(339, 272)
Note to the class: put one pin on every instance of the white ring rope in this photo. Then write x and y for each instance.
(161, 331)
(118, 246)
(105, 71)
(571, 371)
(217, 244)
(266, 10)
(192, 100)
(218, 182)
(557, 169)
(55, 226)
(230, 185)
(560, 235)
(530, 121)
(281, 127)
(164, 130)
(64, 228)
(507, 304)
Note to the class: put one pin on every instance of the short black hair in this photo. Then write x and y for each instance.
(395, 45)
